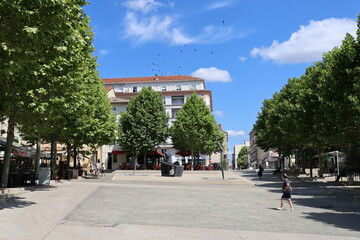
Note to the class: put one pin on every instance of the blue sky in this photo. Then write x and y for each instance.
(244, 49)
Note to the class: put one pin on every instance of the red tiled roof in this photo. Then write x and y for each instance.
(108, 88)
(150, 79)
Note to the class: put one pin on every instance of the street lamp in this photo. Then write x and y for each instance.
(221, 159)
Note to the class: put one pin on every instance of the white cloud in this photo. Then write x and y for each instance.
(147, 27)
(218, 114)
(216, 34)
(103, 52)
(242, 59)
(219, 4)
(233, 133)
(212, 74)
(309, 42)
(154, 28)
(142, 5)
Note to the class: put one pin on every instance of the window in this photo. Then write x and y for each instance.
(174, 112)
(118, 89)
(177, 100)
(114, 158)
(134, 89)
(163, 88)
(164, 101)
(114, 109)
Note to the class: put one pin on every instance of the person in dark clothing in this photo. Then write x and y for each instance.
(286, 189)
(260, 171)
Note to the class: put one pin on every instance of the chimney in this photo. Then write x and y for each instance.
(156, 77)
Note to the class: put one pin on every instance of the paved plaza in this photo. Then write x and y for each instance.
(199, 205)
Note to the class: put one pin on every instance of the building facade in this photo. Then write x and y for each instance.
(237, 148)
(216, 157)
(268, 159)
(174, 89)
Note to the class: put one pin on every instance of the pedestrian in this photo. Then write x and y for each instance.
(260, 171)
(103, 169)
(286, 188)
(98, 167)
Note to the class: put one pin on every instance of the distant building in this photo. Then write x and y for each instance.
(216, 157)
(268, 159)
(175, 91)
(236, 151)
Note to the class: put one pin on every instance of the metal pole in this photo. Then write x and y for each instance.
(337, 162)
(221, 159)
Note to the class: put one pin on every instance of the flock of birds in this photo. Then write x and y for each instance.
(159, 65)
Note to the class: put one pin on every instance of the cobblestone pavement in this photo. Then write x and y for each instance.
(199, 205)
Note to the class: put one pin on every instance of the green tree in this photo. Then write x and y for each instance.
(320, 110)
(45, 51)
(242, 157)
(144, 125)
(195, 129)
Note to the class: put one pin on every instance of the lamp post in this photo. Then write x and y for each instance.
(337, 163)
(221, 159)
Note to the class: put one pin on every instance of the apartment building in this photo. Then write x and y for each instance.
(216, 157)
(268, 159)
(174, 89)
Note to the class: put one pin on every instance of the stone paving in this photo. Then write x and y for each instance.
(199, 205)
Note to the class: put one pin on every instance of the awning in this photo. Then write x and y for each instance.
(118, 152)
(156, 153)
(184, 153)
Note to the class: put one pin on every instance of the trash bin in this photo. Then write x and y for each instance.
(178, 170)
(68, 174)
(165, 169)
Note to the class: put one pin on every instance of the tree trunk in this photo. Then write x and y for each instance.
(55, 148)
(192, 160)
(68, 153)
(52, 155)
(37, 156)
(145, 160)
(311, 164)
(303, 162)
(321, 163)
(135, 162)
(9, 143)
(75, 154)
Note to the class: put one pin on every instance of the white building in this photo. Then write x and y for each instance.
(175, 91)
(237, 148)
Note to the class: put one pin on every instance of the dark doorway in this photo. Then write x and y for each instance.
(109, 165)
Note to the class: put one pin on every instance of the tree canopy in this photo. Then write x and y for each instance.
(144, 125)
(195, 128)
(320, 110)
(49, 79)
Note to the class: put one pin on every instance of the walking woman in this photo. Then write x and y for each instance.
(286, 188)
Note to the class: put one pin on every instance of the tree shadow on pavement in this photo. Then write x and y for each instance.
(16, 202)
(39, 188)
(333, 204)
(341, 220)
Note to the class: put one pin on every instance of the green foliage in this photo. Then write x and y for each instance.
(144, 125)
(49, 83)
(320, 110)
(242, 157)
(195, 128)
